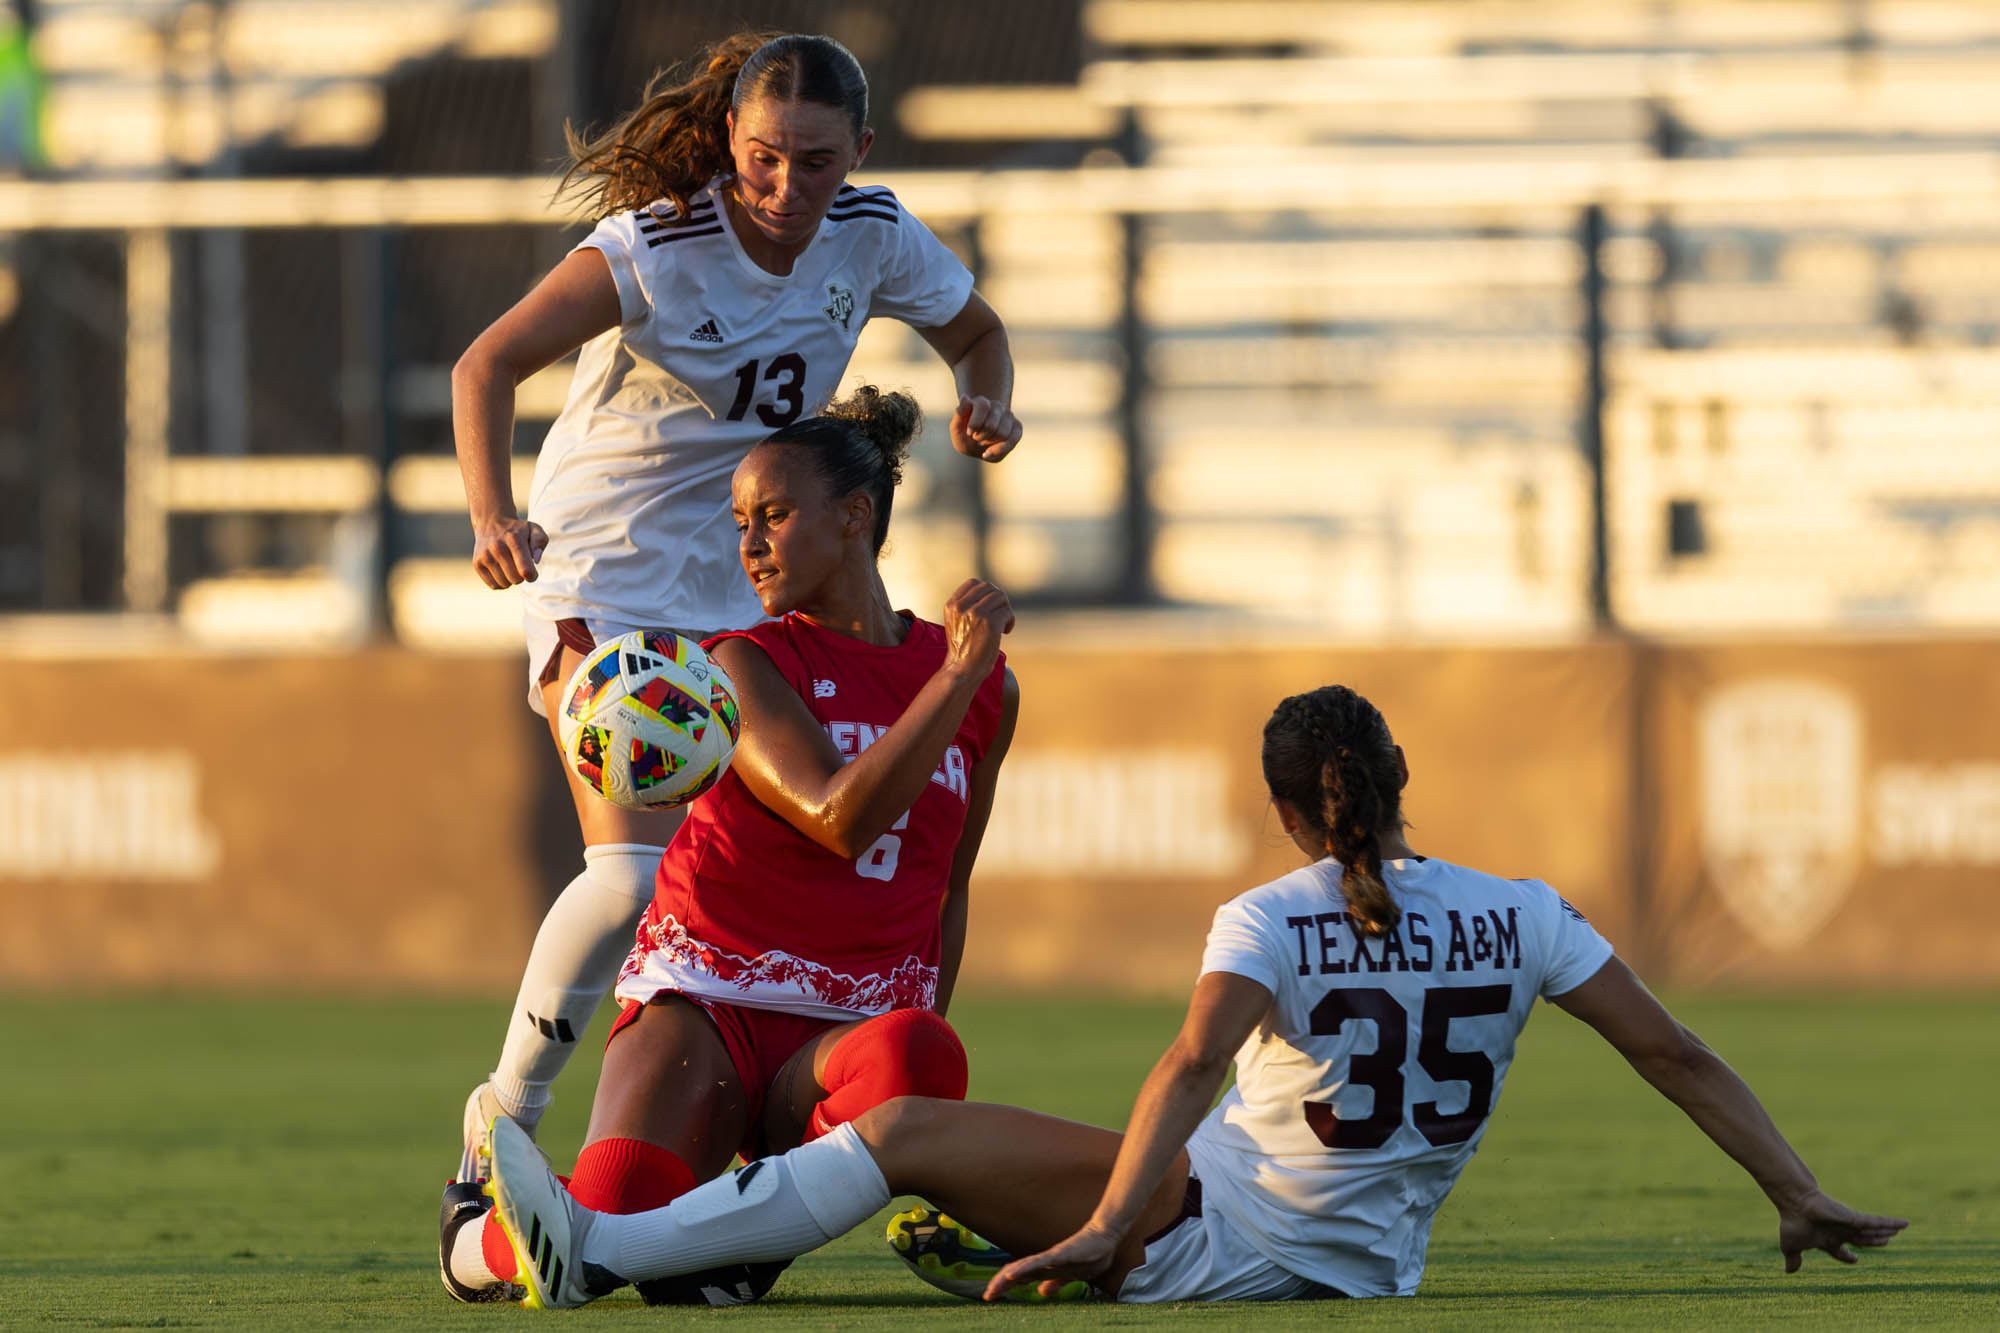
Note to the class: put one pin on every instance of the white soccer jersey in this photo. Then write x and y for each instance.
(632, 484)
(1367, 1087)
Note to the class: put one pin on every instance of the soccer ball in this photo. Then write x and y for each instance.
(649, 720)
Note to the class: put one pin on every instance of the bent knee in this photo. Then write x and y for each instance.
(934, 1058)
(905, 1052)
(901, 1120)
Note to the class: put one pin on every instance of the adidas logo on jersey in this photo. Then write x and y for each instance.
(823, 689)
(707, 333)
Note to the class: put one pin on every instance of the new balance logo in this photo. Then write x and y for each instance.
(707, 333)
(823, 689)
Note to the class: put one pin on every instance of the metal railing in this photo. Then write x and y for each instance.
(1168, 359)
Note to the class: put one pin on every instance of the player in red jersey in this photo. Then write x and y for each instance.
(796, 962)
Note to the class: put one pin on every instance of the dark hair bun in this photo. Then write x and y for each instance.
(889, 421)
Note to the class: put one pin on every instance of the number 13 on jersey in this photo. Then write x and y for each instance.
(787, 376)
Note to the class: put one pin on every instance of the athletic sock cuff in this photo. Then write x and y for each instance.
(841, 1180)
(627, 868)
(622, 849)
(628, 1176)
(523, 1101)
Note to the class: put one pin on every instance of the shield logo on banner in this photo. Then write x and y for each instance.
(1780, 771)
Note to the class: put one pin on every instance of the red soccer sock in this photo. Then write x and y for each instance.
(629, 1176)
(903, 1053)
(612, 1176)
(494, 1249)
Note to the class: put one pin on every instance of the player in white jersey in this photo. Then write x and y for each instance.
(719, 298)
(1371, 1000)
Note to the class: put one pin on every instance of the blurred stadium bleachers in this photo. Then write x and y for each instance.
(1297, 291)
(144, 85)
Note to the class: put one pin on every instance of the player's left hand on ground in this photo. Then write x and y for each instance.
(983, 429)
(1084, 1255)
(1820, 1222)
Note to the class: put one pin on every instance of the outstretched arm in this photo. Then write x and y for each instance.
(1701, 1083)
(1174, 1098)
(974, 344)
(790, 764)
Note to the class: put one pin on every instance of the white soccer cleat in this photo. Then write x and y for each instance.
(543, 1223)
(480, 1109)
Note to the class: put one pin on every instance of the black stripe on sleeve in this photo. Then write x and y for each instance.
(684, 235)
(694, 219)
(859, 213)
(881, 194)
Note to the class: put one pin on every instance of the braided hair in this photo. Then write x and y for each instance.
(1329, 754)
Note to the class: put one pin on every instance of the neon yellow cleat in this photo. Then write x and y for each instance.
(953, 1258)
(545, 1227)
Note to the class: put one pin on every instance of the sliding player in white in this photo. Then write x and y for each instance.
(1371, 1000)
(718, 299)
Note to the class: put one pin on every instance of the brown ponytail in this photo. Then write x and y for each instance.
(678, 139)
(675, 143)
(1330, 755)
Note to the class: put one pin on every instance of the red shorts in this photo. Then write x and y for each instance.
(572, 633)
(759, 1041)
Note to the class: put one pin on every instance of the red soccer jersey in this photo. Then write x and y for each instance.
(748, 910)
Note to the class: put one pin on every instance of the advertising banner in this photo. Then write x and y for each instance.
(1827, 813)
(1132, 804)
(320, 821)
(1732, 814)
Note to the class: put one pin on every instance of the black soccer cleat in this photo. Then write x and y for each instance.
(465, 1204)
(729, 1284)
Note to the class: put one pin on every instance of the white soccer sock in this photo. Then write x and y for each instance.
(774, 1208)
(468, 1256)
(577, 953)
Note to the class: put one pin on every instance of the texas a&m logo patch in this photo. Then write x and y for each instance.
(840, 308)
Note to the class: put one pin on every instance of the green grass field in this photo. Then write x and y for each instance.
(260, 1164)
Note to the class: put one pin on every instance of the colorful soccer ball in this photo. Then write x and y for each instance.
(649, 720)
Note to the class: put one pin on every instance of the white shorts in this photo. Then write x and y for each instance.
(1203, 1258)
(545, 643)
